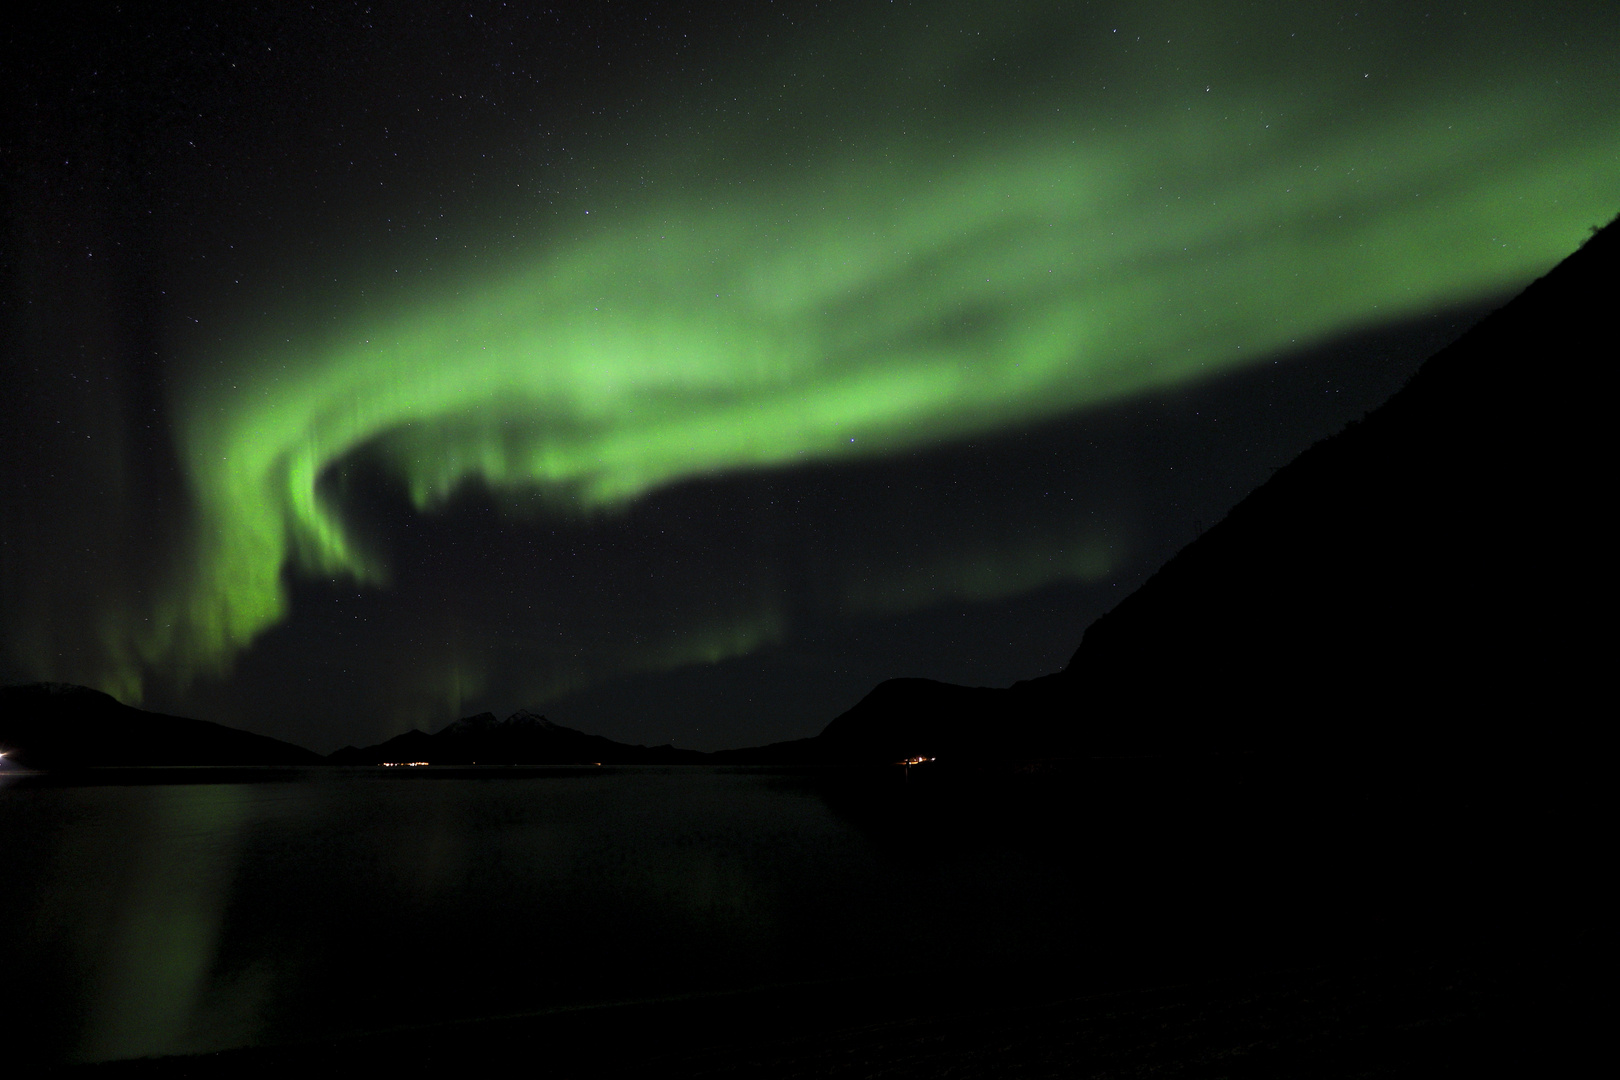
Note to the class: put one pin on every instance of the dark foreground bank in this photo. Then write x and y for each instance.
(1529, 1012)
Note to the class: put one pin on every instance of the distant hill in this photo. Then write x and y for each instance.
(1425, 582)
(60, 726)
(524, 738)
(904, 718)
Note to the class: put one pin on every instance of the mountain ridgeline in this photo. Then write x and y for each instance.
(524, 738)
(1422, 583)
(60, 726)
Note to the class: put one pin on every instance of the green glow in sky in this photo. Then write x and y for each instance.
(904, 289)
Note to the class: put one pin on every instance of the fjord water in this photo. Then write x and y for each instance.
(160, 919)
(175, 918)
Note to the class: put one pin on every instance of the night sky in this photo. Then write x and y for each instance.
(682, 372)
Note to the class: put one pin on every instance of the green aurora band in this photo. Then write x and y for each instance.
(904, 291)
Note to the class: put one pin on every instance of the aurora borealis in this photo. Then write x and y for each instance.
(526, 423)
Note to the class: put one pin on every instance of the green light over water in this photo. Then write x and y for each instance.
(910, 288)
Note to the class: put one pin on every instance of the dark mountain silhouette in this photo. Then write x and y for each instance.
(1424, 583)
(903, 718)
(524, 738)
(59, 726)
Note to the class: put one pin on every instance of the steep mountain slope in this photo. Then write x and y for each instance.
(1423, 581)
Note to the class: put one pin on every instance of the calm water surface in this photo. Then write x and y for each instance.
(180, 918)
